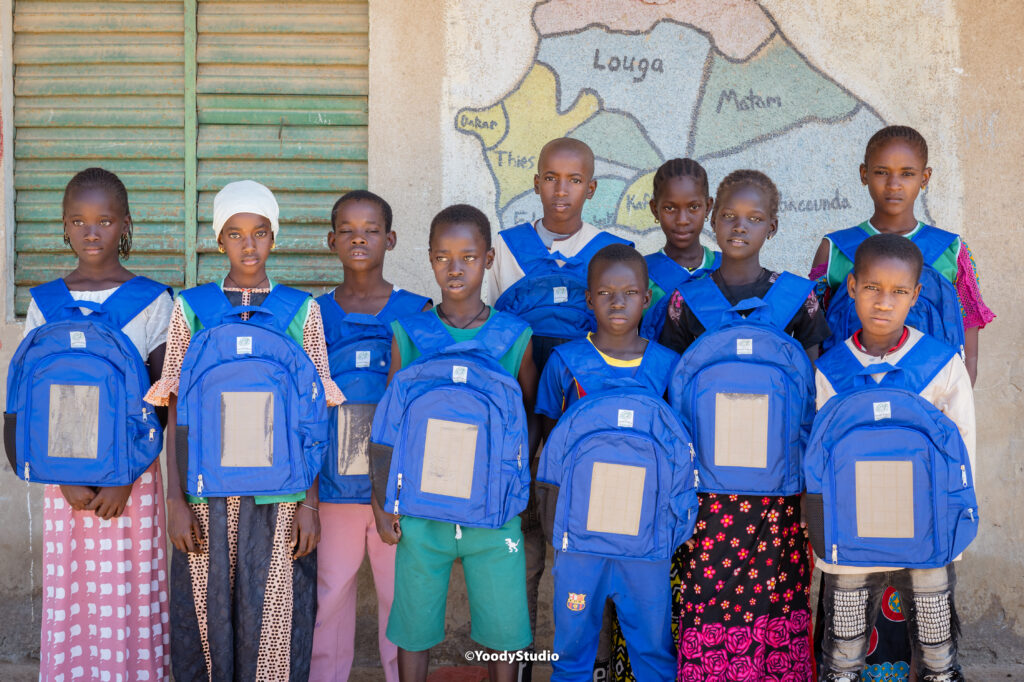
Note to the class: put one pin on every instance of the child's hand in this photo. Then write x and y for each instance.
(182, 527)
(109, 503)
(690, 544)
(78, 496)
(305, 531)
(389, 528)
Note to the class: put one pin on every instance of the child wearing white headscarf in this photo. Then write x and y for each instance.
(243, 569)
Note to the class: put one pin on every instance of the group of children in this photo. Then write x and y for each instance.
(652, 418)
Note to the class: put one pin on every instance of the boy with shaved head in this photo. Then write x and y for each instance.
(540, 275)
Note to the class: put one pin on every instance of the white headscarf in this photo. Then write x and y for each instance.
(244, 196)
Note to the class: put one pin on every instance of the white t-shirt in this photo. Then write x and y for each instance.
(147, 330)
(950, 391)
(506, 271)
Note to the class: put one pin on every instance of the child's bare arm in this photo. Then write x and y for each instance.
(821, 255)
(971, 353)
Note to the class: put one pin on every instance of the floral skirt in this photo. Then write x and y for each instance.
(744, 612)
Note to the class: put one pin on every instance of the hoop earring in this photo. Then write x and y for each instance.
(220, 249)
(273, 247)
(124, 247)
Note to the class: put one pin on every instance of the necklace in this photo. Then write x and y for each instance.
(265, 279)
(465, 326)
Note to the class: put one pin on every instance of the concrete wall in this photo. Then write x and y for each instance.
(951, 68)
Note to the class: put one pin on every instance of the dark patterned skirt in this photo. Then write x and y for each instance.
(242, 608)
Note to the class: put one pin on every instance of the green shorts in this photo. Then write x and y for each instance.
(494, 562)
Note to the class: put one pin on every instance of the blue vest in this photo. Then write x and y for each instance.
(252, 416)
(745, 389)
(75, 387)
(456, 424)
(889, 480)
(550, 297)
(359, 348)
(937, 311)
(622, 460)
(668, 275)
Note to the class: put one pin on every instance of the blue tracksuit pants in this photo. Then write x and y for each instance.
(643, 603)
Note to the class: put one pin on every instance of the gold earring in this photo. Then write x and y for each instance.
(221, 249)
(273, 247)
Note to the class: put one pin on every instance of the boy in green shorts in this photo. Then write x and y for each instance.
(449, 485)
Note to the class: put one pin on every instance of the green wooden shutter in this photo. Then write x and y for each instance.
(282, 99)
(179, 98)
(98, 84)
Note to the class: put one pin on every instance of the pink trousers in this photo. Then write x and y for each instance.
(347, 532)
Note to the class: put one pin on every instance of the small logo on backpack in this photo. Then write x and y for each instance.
(362, 358)
(243, 345)
(561, 294)
(626, 419)
(883, 410)
(78, 339)
(460, 373)
(744, 346)
(576, 602)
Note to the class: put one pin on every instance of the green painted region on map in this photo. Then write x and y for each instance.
(618, 138)
(602, 208)
(769, 93)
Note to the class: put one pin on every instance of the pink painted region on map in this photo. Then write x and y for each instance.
(737, 27)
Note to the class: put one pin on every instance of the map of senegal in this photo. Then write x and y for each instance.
(644, 81)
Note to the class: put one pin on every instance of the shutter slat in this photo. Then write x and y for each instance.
(98, 84)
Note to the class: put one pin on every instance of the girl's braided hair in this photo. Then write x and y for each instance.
(904, 133)
(680, 168)
(747, 178)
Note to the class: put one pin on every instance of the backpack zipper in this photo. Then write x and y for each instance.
(399, 489)
(26, 472)
(963, 474)
(835, 554)
(519, 457)
(565, 541)
(316, 391)
(696, 478)
(152, 434)
(199, 485)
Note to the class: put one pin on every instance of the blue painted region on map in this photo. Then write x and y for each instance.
(655, 77)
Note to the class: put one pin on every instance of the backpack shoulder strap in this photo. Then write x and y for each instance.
(500, 333)
(716, 260)
(598, 242)
(130, 299)
(665, 272)
(840, 366)
(848, 240)
(525, 245)
(285, 302)
(787, 295)
(933, 242)
(401, 304)
(585, 364)
(208, 302)
(706, 301)
(53, 300)
(656, 367)
(924, 361)
(426, 332)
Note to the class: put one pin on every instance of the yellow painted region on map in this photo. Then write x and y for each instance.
(635, 205)
(533, 119)
(489, 124)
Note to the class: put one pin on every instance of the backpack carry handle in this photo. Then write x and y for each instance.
(864, 378)
(91, 305)
(237, 312)
(754, 305)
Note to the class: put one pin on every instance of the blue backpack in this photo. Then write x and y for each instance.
(889, 480)
(453, 425)
(668, 275)
(937, 311)
(359, 349)
(622, 462)
(75, 385)
(252, 416)
(551, 298)
(745, 389)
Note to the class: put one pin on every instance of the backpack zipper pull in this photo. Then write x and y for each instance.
(963, 474)
(835, 554)
(399, 486)
(519, 457)
(26, 472)
(199, 484)
(693, 454)
(145, 413)
(316, 391)
(152, 434)
(970, 512)
(565, 541)
(458, 532)
(696, 478)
